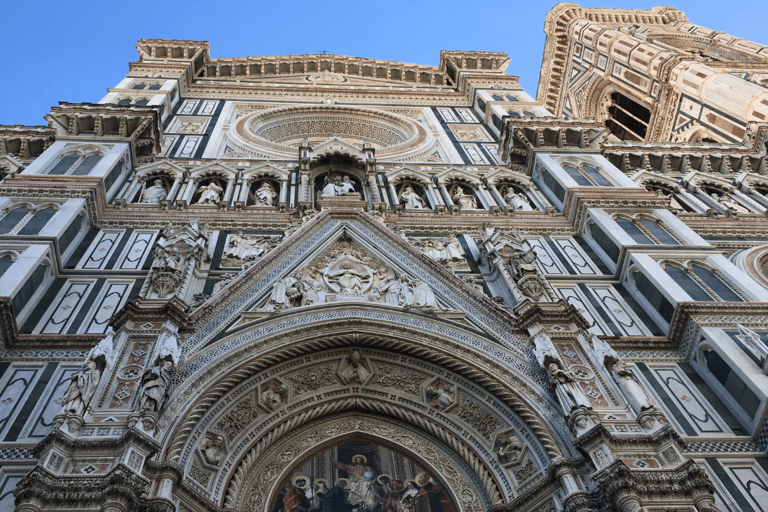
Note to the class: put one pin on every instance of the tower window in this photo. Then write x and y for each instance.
(628, 120)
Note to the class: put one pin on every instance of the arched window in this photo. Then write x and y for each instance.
(76, 164)
(702, 284)
(732, 383)
(139, 86)
(154, 87)
(654, 297)
(124, 102)
(141, 102)
(646, 231)
(12, 219)
(604, 241)
(5, 263)
(38, 221)
(628, 120)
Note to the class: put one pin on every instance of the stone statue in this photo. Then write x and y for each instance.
(633, 391)
(156, 387)
(311, 292)
(517, 201)
(213, 449)
(210, 194)
(333, 188)
(567, 389)
(154, 193)
(390, 288)
(347, 186)
(265, 195)
(422, 296)
(281, 294)
(82, 387)
(355, 371)
(465, 201)
(441, 395)
(411, 199)
(510, 449)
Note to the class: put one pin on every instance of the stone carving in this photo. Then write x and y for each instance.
(567, 389)
(398, 378)
(312, 379)
(447, 252)
(273, 394)
(730, 203)
(525, 472)
(343, 274)
(464, 200)
(154, 193)
(177, 252)
(213, 449)
(441, 395)
(753, 342)
(265, 195)
(510, 449)
(480, 419)
(353, 370)
(411, 200)
(241, 248)
(234, 421)
(210, 194)
(518, 201)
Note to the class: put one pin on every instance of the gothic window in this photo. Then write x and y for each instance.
(76, 164)
(702, 284)
(141, 102)
(553, 185)
(577, 176)
(653, 295)
(646, 231)
(732, 383)
(123, 102)
(604, 242)
(5, 263)
(12, 219)
(139, 86)
(627, 119)
(37, 222)
(154, 87)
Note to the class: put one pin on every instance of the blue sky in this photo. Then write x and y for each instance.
(73, 51)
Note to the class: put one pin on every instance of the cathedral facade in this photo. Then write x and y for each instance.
(320, 282)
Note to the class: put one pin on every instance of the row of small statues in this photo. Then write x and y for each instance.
(211, 193)
(465, 199)
(265, 194)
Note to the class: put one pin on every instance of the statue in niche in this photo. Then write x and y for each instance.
(156, 386)
(82, 387)
(265, 195)
(241, 248)
(510, 449)
(273, 394)
(633, 391)
(441, 395)
(567, 389)
(518, 201)
(155, 193)
(338, 186)
(212, 449)
(355, 371)
(411, 200)
(465, 201)
(210, 194)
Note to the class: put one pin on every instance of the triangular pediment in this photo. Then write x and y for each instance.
(337, 146)
(343, 260)
(404, 173)
(163, 166)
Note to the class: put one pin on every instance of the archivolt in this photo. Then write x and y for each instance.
(268, 463)
(207, 386)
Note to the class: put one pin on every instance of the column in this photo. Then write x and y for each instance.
(393, 193)
(283, 197)
(373, 189)
(304, 191)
